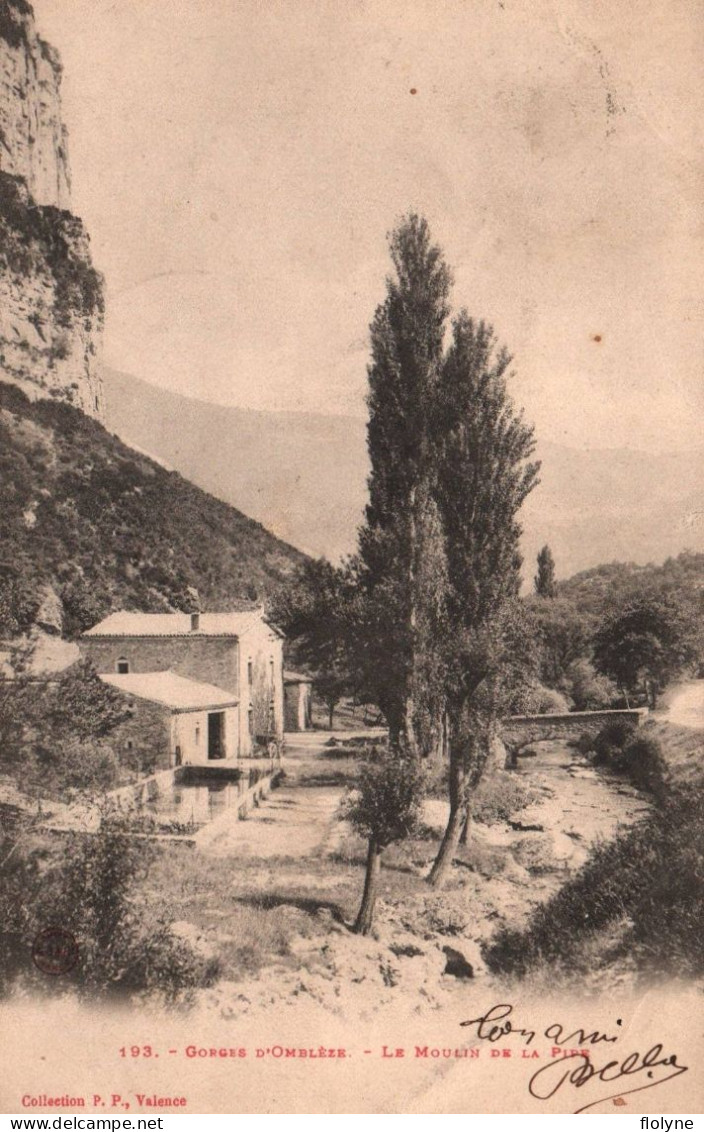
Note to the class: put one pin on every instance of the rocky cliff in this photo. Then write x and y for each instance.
(51, 296)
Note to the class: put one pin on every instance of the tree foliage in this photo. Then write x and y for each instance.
(55, 732)
(653, 638)
(544, 581)
(484, 475)
(316, 611)
(384, 807)
(407, 349)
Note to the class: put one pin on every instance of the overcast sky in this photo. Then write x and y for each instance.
(239, 162)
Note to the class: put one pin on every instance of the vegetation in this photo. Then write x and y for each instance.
(483, 478)
(648, 877)
(55, 735)
(544, 581)
(649, 640)
(315, 611)
(95, 881)
(625, 750)
(111, 529)
(384, 807)
(12, 26)
(400, 566)
(42, 238)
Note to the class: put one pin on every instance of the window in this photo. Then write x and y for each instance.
(197, 736)
(250, 716)
(271, 670)
(123, 666)
(129, 745)
(250, 673)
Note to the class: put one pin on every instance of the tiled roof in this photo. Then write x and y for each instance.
(170, 689)
(125, 624)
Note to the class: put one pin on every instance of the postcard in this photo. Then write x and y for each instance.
(352, 562)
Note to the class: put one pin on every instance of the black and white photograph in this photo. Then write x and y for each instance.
(351, 557)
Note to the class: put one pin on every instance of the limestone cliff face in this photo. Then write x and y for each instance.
(51, 297)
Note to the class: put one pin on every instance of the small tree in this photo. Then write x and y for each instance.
(651, 639)
(384, 807)
(562, 636)
(544, 581)
(589, 690)
(315, 612)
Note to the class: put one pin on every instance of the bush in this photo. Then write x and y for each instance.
(643, 762)
(612, 739)
(90, 890)
(545, 701)
(499, 796)
(589, 690)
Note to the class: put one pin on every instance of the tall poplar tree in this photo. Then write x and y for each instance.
(483, 476)
(544, 580)
(402, 536)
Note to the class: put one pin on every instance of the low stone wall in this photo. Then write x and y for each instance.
(519, 731)
(137, 793)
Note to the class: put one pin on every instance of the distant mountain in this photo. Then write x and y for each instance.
(88, 526)
(301, 474)
(304, 476)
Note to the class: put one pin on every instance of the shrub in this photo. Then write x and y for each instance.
(588, 689)
(500, 796)
(73, 764)
(91, 888)
(612, 738)
(643, 762)
(545, 701)
(584, 744)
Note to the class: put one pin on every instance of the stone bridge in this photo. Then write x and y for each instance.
(520, 731)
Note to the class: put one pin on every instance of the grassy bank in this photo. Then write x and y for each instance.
(639, 900)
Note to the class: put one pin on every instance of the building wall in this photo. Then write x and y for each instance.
(262, 686)
(148, 740)
(189, 732)
(211, 660)
(143, 742)
(297, 707)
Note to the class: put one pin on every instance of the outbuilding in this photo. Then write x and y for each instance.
(297, 702)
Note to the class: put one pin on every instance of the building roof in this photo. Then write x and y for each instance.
(128, 624)
(170, 689)
(297, 678)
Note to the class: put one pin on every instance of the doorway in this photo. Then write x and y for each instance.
(216, 735)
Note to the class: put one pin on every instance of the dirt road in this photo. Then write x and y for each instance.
(685, 705)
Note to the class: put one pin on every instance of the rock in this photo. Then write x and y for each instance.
(405, 946)
(457, 965)
(51, 313)
(50, 616)
(191, 935)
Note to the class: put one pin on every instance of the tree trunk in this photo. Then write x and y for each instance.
(331, 713)
(464, 836)
(365, 916)
(443, 862)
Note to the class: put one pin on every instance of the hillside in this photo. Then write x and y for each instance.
(610, 585)
(98, 526)
(304, 476)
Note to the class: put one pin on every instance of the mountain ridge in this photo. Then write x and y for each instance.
(304, 476)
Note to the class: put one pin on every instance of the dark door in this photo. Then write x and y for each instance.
(216, 735)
